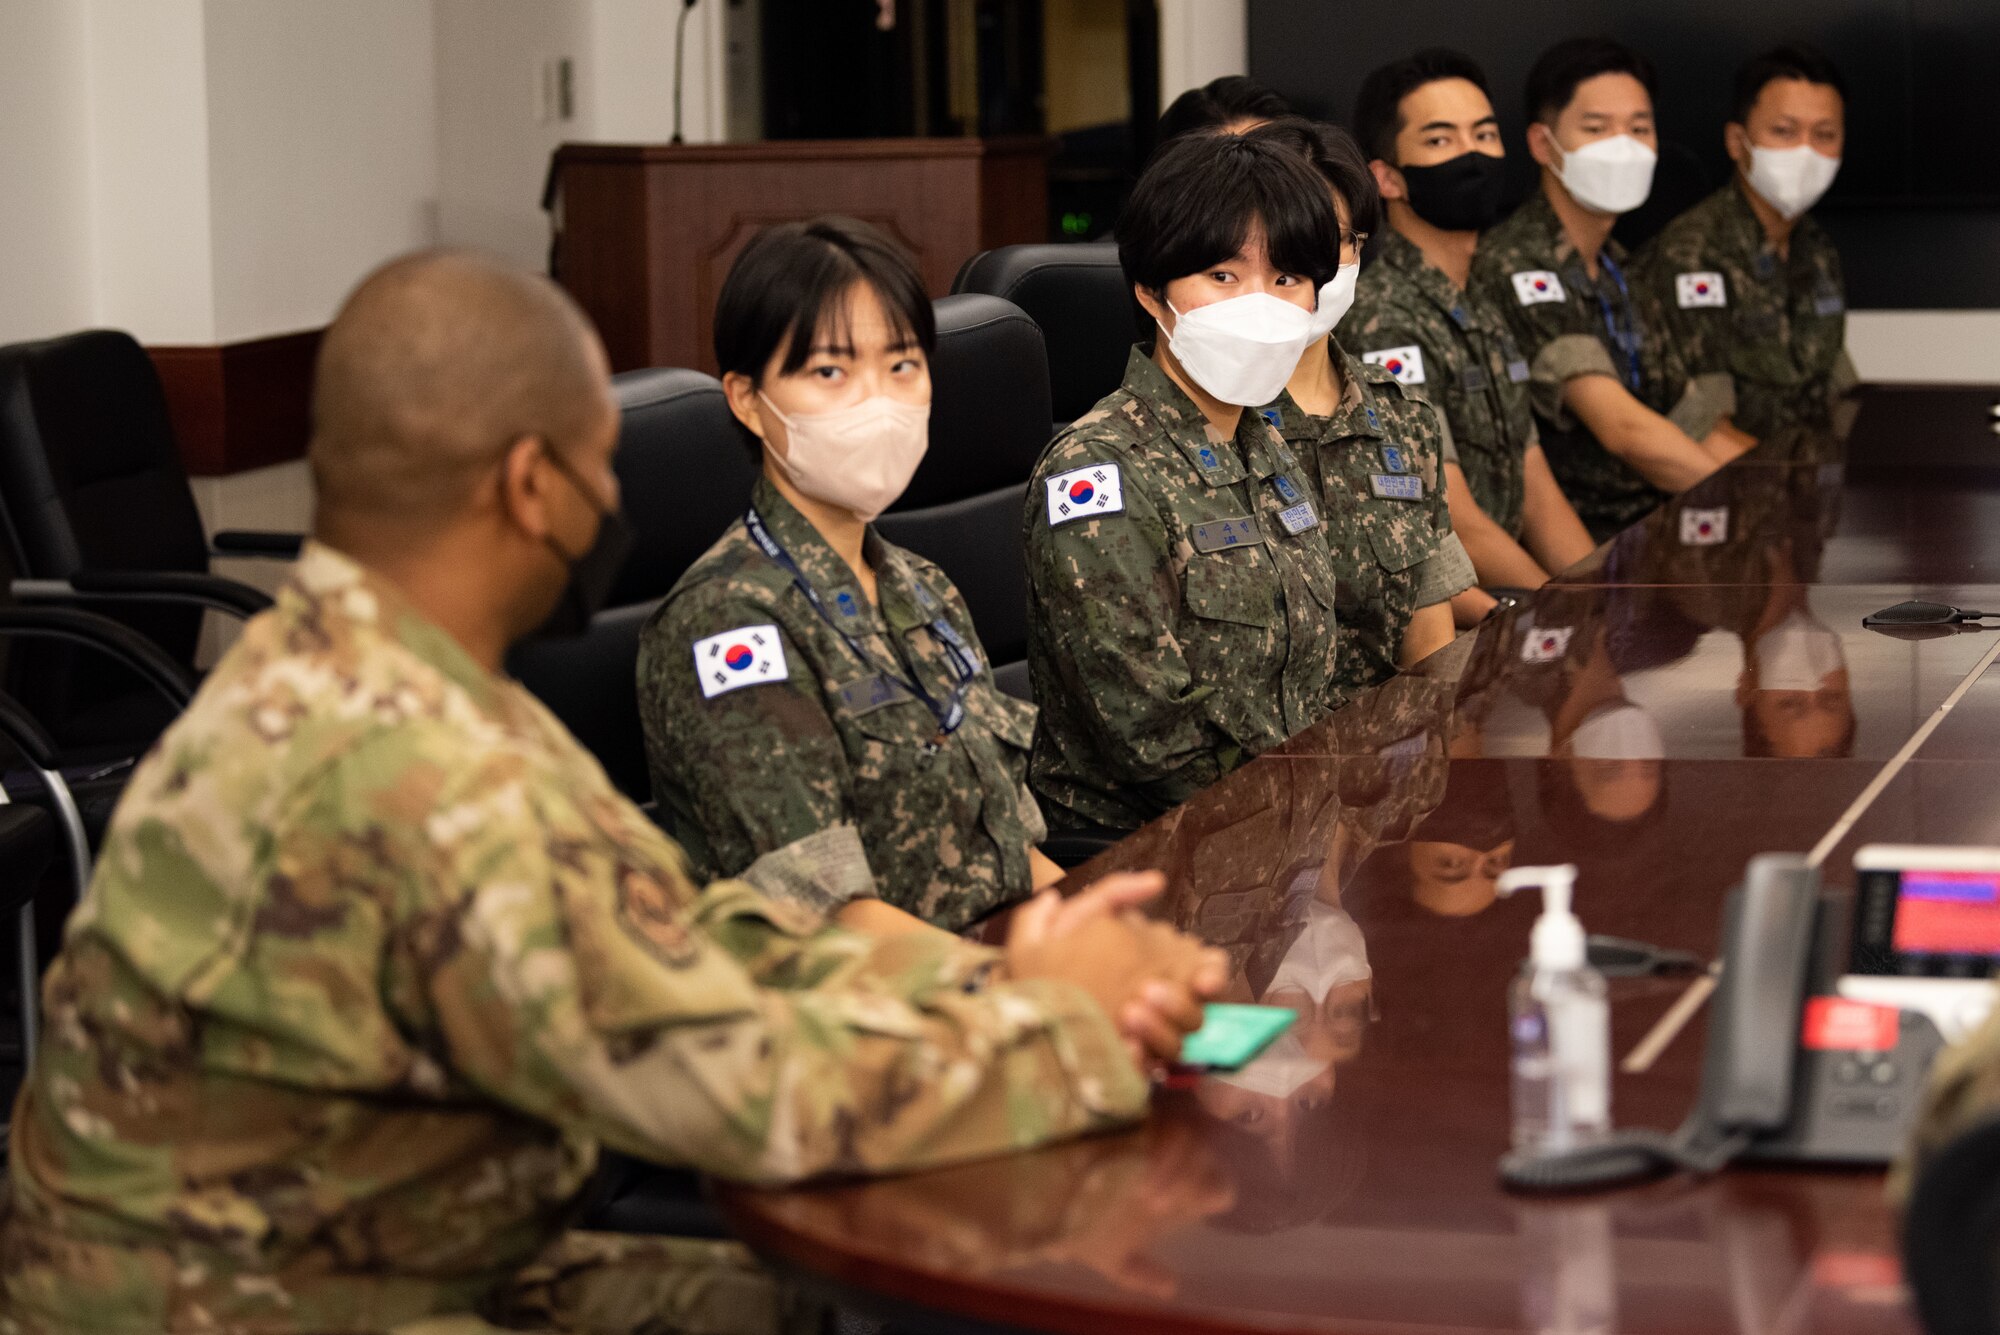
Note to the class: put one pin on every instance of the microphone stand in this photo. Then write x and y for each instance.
(680, 61)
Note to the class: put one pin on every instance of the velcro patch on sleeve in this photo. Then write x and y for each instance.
(1534, 286)
(1694, 290)
(1406, 364)
(746, 656)
(1084, 492)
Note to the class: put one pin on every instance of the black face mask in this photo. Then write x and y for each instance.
(590, 575)
(1462, 195)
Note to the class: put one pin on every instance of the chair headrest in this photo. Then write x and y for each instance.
(684, 473)
(1079, 297)
(989, 402)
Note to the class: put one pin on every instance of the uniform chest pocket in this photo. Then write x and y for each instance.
(1237, 586)
(1011, 721)
(1403, 538)
(884, 710)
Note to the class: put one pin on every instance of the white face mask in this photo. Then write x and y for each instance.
(1328, 952)
(1244, 349)
(1336, 298)
(859, 458)
(1610, 175)
(1797, 654)
(1791, 180)
(1618, 732)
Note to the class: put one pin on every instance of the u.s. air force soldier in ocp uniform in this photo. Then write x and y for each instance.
(376, 958)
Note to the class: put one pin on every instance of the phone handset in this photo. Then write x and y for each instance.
(1767, 944)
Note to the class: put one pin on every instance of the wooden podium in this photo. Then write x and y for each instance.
(648, 232)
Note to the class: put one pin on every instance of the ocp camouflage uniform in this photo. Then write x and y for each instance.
(1467, 364)
(1177, 624)
(1378, 465)
(824, 779)
(1775, 325)
(1528, 268)
(376, 958)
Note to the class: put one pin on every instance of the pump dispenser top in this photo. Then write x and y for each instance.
(1558, 941)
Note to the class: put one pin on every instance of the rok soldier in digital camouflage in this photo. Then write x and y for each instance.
(1428, 125)
(1623, 422)
(1375, 452)
(1181, 591)
(376, 959)
(1750, 284)
(891, 773)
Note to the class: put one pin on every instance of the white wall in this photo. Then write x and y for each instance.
(45, 265)
(322, 157)
(149, 215)
(1926, 347)
(1201, 40)
(632, 46)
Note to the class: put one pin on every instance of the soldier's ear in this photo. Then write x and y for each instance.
(1542, 145)
(1153, 303)
(1388, 180)
(741, 392)
(525, 481)
(1736, 142)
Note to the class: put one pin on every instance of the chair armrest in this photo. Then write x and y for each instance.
(257, 542)
(108, 637)
(18, 726)
(148, 586)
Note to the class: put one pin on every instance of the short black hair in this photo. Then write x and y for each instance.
(1793, 60)
(1378, 108)
(1199, 198)
(1338, 159)
(1553, 82)
(786, 288)
(1218, 102)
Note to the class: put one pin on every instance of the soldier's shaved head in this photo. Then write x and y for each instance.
(436, 364)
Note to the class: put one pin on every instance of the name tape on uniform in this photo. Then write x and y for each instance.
(1406, 364)
(1396, 486)
(1705, 528)
(1218, 534)
(746, 656)
(1083, 492)
(1533, 286)
(1700, 289)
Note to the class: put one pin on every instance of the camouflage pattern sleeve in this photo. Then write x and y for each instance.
(1110, 599)
(1698, 323)
(753, 771)
(1558, 340)
(1387, 328)
(582, 979)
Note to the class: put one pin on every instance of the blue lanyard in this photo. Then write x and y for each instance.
(1624, 334)
(951, 713)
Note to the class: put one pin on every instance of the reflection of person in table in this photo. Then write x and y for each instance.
(1455, 858)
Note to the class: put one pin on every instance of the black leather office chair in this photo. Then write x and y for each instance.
(1951, 1235)
(27, 847)
(989, 422)
(1079, 297)
(684, 478)
(96, 507)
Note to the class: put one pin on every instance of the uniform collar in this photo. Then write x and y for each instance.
(330, 588)
(1549, 230)
(829, 574)
(1354, 415)
(1181, 423)
(1741, 229)
(1403, 255)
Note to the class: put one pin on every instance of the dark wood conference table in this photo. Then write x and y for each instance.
(1629, 719)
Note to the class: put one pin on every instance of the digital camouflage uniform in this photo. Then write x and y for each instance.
(1467, 364)
(1527, 268)
(1378, 465)
(1775, 325)
(1177, 625)
(376, 958)
(818, 780)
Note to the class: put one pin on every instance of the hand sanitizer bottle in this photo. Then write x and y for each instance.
(1560, 1025)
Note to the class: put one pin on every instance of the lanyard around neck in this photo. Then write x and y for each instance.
(949, 713)
(1619, 325)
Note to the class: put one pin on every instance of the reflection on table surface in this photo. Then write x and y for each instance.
(1701, 690)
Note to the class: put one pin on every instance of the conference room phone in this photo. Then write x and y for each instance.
(1824, 1025)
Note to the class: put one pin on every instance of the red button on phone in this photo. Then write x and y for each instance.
(1835, 1024)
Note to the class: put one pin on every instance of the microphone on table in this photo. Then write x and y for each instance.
(680, 61)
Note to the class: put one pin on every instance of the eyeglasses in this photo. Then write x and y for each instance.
(1351, 238)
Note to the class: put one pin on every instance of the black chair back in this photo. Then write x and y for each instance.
(1079, 297)
(91, 479)
(685, 478)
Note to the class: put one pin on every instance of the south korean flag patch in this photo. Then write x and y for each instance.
(1083, 493)
(1538, 285)
(1546, 644)
(1705, 528)
(1695, 290)
(1406, 364)
(746, 656)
